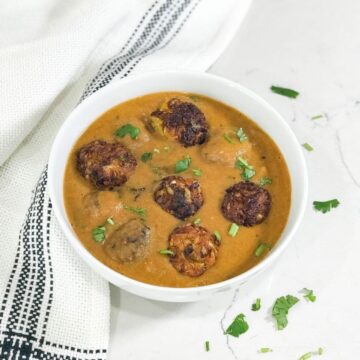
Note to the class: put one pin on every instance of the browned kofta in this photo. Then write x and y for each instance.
(182, 121)
(194, 249)
(106, 165)
(179, 196)
(129, 242)
(246, 203)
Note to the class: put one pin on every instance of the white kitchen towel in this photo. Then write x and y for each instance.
(53, 53)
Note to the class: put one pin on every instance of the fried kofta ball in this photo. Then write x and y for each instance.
(246, 204)
(178, 196)
(194, 249)
(129, 242)
(106, 165)
(182, 121)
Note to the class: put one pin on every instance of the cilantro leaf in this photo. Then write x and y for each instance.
(166, 252)
(284, 92)
(197, 172)
(137, 210)
(238, 326)
(146, 156)
(307, 147)
(247, 170)
(228, 138)
(281, 309)
(317, 117)
(261, 248)
(265, 350)
(183, 164)
(265, 181)
(241, 135)
(127, 129)
(256, 305)
(326, 206)
(309, 295)
(207, 346)
(98, 233)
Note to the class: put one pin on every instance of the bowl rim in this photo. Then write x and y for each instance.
(108, 273)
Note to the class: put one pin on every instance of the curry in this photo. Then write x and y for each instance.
(177, 190)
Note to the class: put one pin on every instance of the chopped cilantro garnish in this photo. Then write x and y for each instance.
(284, 91)
(197, 221)
(281, 309)
(234, 228)
(306, 356)
(265, 181)
(265, 350)
(310, 354)
(183, 164)
(307, 147)
(317, 117)
(241, 135)
(217, 235)
(197, 172)
(309, 295)
(110, 221)
(166, 252)
(228, 138)
(207, 346)
(238, 326)
(326, 206)
(137, 210)
(256, 305)
(247, 170)
(98, 233)
(261, 248)
(146, 156)
(128, 129)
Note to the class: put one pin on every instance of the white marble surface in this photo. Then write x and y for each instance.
(312, 46)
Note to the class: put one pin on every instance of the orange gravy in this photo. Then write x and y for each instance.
(215, 159)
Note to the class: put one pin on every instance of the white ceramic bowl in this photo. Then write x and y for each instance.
(215, 87)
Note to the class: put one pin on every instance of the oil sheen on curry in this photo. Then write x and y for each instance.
(177, 189)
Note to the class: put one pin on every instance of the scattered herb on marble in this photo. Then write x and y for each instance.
(217, 235)
(284, 91)
(241, 135)
(98, 233)
(146, 156)
(137, 210)
(233, 230)
(207, 346)
(128, 129)
(197, 172)
(197, 221)
(265, 350)
(309, 295)
(281, 309)
(310, 354)
(183, 164)
(247, 170)
(238, 326)
(307, 147)
(265, 181)
(262, 247)
(166, 252)
(228, 138)
(317, 117)
(326, 206)
(256, 305)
